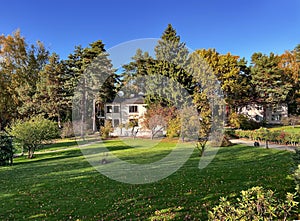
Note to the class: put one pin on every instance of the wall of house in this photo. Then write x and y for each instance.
(274, 115)
(122, 114)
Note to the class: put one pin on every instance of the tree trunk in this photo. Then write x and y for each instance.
(202, 150)
(152, 135)
(267, 144)
(264, 113)
(59, 121)
(83, 109)
(30, 153)
(94, 116)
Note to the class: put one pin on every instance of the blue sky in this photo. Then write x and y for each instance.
(241, 27)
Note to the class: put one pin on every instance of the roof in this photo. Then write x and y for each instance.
(134, 100)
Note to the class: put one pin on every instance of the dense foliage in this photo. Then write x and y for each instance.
(33, 133)
(34, 81)
(6, 149)
(276, 136)
(255, 204)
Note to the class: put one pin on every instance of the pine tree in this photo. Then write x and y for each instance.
(93, 81)
(52, 95)
(269, 81)
(172, 56)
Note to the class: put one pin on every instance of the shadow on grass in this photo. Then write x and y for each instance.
(62, 185)
(48, 156)
(60, 145)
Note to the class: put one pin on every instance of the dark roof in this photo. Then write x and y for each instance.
(134, 100)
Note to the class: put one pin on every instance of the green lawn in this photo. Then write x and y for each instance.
(289, 129)
(59, 184)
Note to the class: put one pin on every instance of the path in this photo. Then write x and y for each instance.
(263, 144)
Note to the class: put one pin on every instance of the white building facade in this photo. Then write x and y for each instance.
(274, 114)
(124, 113)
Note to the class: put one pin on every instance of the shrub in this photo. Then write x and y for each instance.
(174, 127)
(67, 130)
(240, 121)
(296, 168)
(291, 120)
(106, 129)
(255, 204)
(264, 134)
(296, 176)
(6, 149)
(33, 133)
(230, 133)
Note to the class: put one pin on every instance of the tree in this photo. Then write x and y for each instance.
(19, 68)
(6, 149)
(133, 124)
(208, 101)
(93, 82)
(174, 127)
(33, 133)
(170, 48)
(268, 79)
(12, 63)
(264, 134)
(132, 80)
(233, 74)
(157, 118)
(172, 56)
(168, 64)
(52, 96)
(290, 64)
(165, 70)
(204, 123)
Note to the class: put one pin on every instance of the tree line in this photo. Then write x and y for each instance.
(34, 81)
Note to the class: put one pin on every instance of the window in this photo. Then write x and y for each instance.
(116, 122)
(276, 117)
(258, 118)
(277, 109)
(109, 109)
(133, 109)
(116, 109)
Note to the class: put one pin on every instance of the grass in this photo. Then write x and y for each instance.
(59, 184)
(289, 129)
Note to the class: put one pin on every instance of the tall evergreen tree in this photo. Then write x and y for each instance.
(268, 79)
(172, 56)
(170, 48)
(51, 95)
(165, 72)
(93, 80)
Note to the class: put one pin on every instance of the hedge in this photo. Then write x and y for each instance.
(262, 134)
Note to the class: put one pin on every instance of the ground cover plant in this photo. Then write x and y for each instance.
(59, 184)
